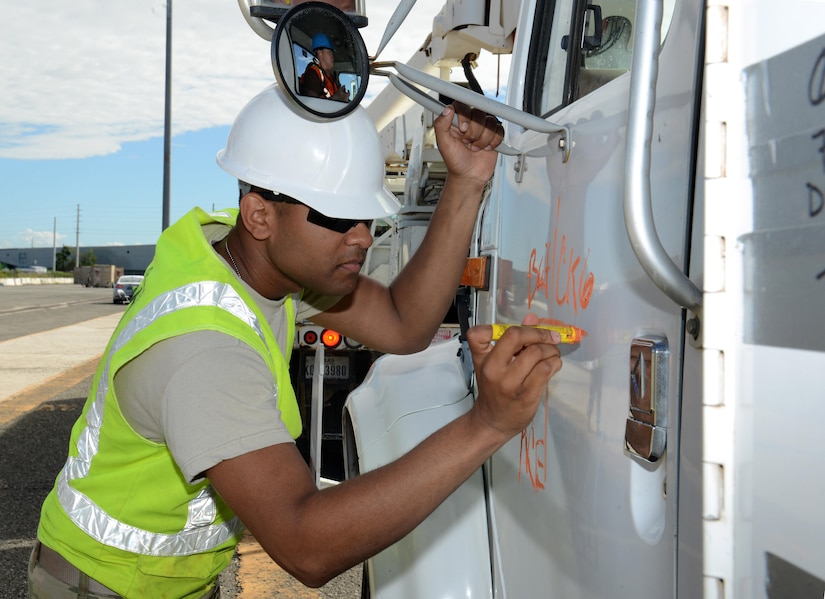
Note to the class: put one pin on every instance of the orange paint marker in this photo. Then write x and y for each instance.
(568, 333)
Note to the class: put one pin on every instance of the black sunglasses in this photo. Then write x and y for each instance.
(339, 225)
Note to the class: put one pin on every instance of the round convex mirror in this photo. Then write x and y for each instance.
(320, 60)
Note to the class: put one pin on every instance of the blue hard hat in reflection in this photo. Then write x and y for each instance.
(320, 40)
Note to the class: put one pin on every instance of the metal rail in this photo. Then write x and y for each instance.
(638, 211)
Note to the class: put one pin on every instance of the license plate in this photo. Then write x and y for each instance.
(335, 367)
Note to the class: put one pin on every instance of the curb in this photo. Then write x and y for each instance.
(17, 281)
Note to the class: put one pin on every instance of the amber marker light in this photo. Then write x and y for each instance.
(330, 338)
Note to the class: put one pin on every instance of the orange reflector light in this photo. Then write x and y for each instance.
(476, 273)
(330, 338)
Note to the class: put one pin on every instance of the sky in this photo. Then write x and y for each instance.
(82, 110)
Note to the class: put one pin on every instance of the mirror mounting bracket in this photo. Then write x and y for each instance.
(274, 14)
(270, 13)
(407, 74)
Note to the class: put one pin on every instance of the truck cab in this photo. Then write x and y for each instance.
(671, 206)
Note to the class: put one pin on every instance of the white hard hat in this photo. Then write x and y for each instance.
(335, 167)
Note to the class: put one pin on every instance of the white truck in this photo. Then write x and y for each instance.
(671, 204)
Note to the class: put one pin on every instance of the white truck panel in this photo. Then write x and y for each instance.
(763, 520)
(403, 400)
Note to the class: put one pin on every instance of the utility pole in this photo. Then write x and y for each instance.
(167, 125)
(77, 241)
(54, 246)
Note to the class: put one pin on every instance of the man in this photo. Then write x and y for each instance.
(187, 435)
(319, 79)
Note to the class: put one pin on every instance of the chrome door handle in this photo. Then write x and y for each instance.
(646, 425)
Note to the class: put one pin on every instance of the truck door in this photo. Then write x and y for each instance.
(574, 511)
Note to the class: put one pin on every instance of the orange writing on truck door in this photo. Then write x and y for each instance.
(533, 451)
(560, 273)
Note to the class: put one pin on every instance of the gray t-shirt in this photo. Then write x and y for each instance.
(207, 395)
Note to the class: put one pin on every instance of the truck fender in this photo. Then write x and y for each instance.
(403, 400)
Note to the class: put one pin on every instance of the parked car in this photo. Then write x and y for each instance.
(125, 288)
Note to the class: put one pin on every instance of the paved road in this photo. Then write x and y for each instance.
(50, 340)
(31, 309)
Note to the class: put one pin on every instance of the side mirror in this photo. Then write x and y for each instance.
(320, 60)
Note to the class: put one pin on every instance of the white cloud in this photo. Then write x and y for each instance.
(88, 75)
(42, 238)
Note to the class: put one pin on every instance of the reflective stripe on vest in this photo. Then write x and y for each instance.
(199, 534)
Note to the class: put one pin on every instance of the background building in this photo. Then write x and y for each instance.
(134, 259)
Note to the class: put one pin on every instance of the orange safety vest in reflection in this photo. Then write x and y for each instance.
(330, 85)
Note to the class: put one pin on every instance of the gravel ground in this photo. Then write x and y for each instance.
(345, 586)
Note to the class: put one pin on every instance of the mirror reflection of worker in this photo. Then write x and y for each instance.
(319, 80)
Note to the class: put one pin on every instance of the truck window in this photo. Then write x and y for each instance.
(578, 47)
(607, 53)
(553, 37)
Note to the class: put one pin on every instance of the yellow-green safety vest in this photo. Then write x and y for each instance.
(121, 511)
